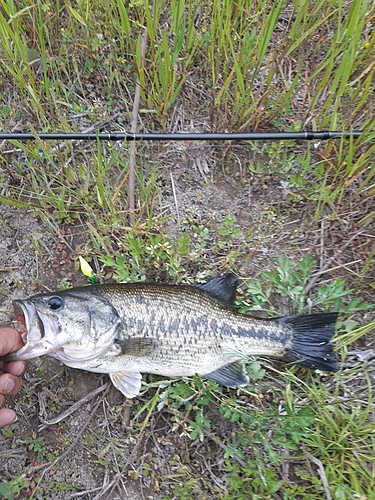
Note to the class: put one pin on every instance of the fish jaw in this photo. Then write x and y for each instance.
(38, 334)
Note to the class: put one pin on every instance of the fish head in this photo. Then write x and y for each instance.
(73, 325)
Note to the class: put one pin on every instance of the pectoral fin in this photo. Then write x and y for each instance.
(129, 383)
(137, 346)
(233, 375)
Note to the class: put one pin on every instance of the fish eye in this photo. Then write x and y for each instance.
(55, 303)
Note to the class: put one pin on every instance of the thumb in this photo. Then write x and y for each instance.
(10, 340)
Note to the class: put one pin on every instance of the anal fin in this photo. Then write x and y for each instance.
(233, 352)
(232, 375)
(129, 383)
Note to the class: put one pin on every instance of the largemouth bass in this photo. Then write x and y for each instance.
(169, 330)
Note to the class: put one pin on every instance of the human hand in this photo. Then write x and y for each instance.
(10, 340)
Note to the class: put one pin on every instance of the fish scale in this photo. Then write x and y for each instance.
(170, 330)
(180, 315)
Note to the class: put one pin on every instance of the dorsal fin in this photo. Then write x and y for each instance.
(221, 287)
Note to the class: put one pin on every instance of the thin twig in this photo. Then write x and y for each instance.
(120, 186)
(174, 196)
(322, 473)
(82, 493)
(210, 435)
(73, 408)
(9, 268)
(219, 482)
(113, 485)
(120, 474)
(133, 130)
(345, 266)
(92, 128)
(77, 438)
(110, 436)
(314, 279)
(12, 130)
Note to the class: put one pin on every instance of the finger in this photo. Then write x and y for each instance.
(10, 340)
(16, 368)
(7, 416)
(9, 384)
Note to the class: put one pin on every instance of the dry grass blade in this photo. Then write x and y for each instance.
(322, 473)
(133, 130)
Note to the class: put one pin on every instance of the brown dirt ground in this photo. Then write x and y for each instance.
(209, 184)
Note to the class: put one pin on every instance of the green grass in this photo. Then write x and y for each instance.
(235, 66)
(281, 67)
(288, 422)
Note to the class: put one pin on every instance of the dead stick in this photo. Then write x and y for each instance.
(324, 269)
(209, 434)
(77, 438)
(120, 474)
(73, 408)
(92, 128)
(133, 130)
(322, 473)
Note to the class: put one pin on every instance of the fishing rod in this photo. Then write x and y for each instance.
(128, 137)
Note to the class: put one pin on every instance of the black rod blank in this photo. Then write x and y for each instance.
(250, 136)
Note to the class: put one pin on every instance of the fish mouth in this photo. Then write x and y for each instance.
(22, 320)
(33, 331)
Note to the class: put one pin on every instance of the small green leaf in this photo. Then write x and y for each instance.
(7, 433)
(4, 490)
(76, 15)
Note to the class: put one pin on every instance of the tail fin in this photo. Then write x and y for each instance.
(311, 346)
